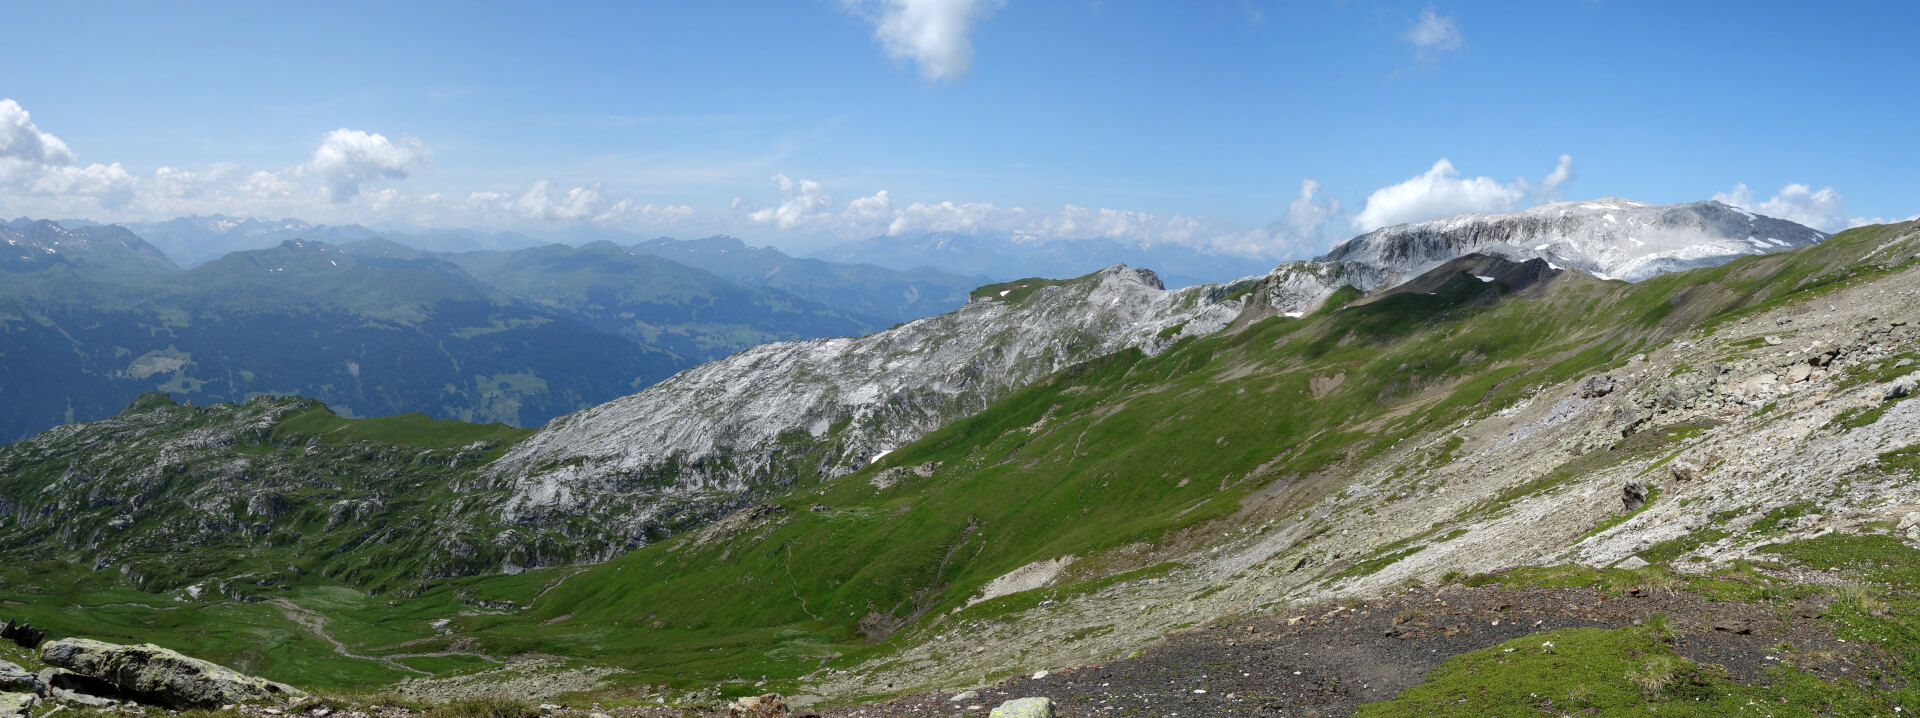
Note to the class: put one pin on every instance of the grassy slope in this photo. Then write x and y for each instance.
(1116, 452)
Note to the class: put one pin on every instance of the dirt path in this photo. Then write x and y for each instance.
(1327, 660)
(317, 624)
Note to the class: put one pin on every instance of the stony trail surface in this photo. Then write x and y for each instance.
(1327, 659)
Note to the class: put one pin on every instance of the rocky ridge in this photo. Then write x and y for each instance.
(1610, 238)
(827, 407)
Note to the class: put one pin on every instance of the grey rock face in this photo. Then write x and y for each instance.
(831, 406)
(17, 680)
(151, 674)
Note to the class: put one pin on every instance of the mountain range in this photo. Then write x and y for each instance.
(1415, 439)
(96, 315)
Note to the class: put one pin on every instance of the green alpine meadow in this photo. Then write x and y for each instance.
(959, 359)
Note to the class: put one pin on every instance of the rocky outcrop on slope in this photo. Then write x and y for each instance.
(827, 407)
(151, 674)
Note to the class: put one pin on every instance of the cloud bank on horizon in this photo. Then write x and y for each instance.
(365, 175)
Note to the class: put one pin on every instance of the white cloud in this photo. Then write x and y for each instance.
(178, 183)
(630, 213)
(935, 34)
(537, 204)
(949, 217)
(1440, 192)
(1433, 35)
(348, 159)
(21, 141)
(1305, 226)
(1823, 209)
(264, 184)
(1562, 172)
(541, 203)
(1308, 213)
(870, 214)
(803, 209)
(110, 185)
(41, 176)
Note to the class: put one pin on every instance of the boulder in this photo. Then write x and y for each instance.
(150, 674)
(1598, 386)
(1683, 471)
(1633, 495)
(19, 705)
(22, 634)
(1910, 520)
(14, 679)
(1024, 708)
(771, 705)
(964, 696)
(1898, 388)
(1799, 373)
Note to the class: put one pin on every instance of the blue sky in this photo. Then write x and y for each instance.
(1260, 128)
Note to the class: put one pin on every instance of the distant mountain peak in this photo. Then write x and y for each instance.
(1611, 238)
(35, 245)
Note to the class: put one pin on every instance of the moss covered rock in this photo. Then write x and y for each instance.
(150, 674)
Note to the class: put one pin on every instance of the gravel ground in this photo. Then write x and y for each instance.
(1325, 660)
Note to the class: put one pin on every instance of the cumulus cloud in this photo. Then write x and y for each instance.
(950, 217)
(1440, 192)
(870, 214)
(1308, 213)
(934, 34)
(1433, 36)
(21, 141)
(111, 185)
(537, 203)
(348, 159)
(1823, 209)
(802, 206)
(1562, 172)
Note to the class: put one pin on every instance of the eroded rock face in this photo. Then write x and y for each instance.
(151, 674)
(828, 407)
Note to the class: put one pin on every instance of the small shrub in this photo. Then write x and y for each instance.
(1654, 675)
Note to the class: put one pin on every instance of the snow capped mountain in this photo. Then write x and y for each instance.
(832, 405)
(195, 240)
(1610, 238)
(29, 246)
